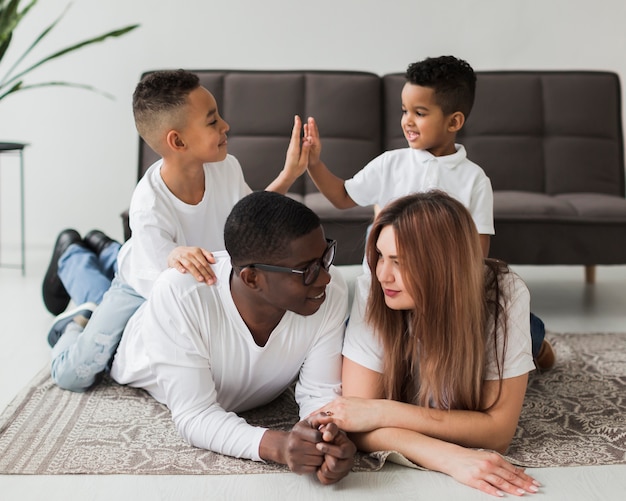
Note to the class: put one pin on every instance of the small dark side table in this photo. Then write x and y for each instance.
(17, 148)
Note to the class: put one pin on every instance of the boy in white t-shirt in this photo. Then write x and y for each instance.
(436, 101)
(275, 315)
(177, 212)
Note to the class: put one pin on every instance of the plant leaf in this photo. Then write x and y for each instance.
(13, 89)
(114, 33)
(5, 45)
(7, 75)
(19, 87)
(10, 18)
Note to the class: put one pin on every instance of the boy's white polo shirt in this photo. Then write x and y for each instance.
(401, 172)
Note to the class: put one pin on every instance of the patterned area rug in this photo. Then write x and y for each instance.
(573, 414)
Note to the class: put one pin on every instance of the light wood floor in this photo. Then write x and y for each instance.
(559, 297)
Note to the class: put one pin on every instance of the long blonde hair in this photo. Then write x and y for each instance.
(435, 353)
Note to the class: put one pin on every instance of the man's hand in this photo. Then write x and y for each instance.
(295, 448)
(194, 260)
(311, 447)
(338, 451)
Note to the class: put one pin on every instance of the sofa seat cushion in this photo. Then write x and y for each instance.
(568, 207)
(325, 210)
(596, 207)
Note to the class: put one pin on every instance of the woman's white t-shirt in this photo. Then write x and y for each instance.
(361, 345)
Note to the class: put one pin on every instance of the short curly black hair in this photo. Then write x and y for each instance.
(452, 79)
(262, 225)
(158, 100)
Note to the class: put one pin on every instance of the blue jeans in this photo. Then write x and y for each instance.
(81, 355)
(86, 275)
(537, 333)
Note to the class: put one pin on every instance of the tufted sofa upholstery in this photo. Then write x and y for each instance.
(550, 141)
(260, 107)
(552, 144)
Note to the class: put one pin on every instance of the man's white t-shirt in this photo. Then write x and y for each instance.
(397, 173)
(361, 345)
(190, 349)
(161, 222)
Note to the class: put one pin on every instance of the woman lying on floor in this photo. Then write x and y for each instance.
(437, 351)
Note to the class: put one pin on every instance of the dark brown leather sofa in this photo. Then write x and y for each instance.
(550, 141)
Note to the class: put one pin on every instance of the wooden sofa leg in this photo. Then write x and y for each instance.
(590, 274)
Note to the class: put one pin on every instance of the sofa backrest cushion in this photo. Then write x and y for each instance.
(549, 132)
(260, 106)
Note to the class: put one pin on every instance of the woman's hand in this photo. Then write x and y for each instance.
(489, 472)
(353, 414)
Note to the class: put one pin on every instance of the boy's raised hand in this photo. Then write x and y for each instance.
(297, 158)
(194, 260)
(312, 136)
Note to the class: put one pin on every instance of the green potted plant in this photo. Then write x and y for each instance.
(11, 80)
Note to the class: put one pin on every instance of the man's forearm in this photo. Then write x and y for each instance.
(272, 446)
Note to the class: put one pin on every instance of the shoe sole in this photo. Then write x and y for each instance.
(61, 322)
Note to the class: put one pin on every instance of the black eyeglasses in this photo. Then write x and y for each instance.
(312, 271)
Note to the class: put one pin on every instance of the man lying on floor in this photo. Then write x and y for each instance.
(273, 317)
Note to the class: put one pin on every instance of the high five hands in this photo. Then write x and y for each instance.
(304, 148)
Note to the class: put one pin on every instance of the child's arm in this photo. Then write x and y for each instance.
(194, 260)
(331, 186)
(296, 161)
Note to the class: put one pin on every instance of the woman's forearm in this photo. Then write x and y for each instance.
(420, 449)
(483, 470)
(490, 429)
(466, 428)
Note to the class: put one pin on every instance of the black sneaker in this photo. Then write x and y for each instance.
(55, 297)
(96, 240)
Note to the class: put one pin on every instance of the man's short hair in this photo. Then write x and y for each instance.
(452, 79)
(262, 225)
(158, 102)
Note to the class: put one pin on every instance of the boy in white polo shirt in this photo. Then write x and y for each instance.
(436, 101)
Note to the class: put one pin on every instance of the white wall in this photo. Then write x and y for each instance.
(81, 162)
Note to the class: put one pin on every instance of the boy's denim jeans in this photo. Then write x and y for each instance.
(85, 275)
(81, 355)
(537, 333)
